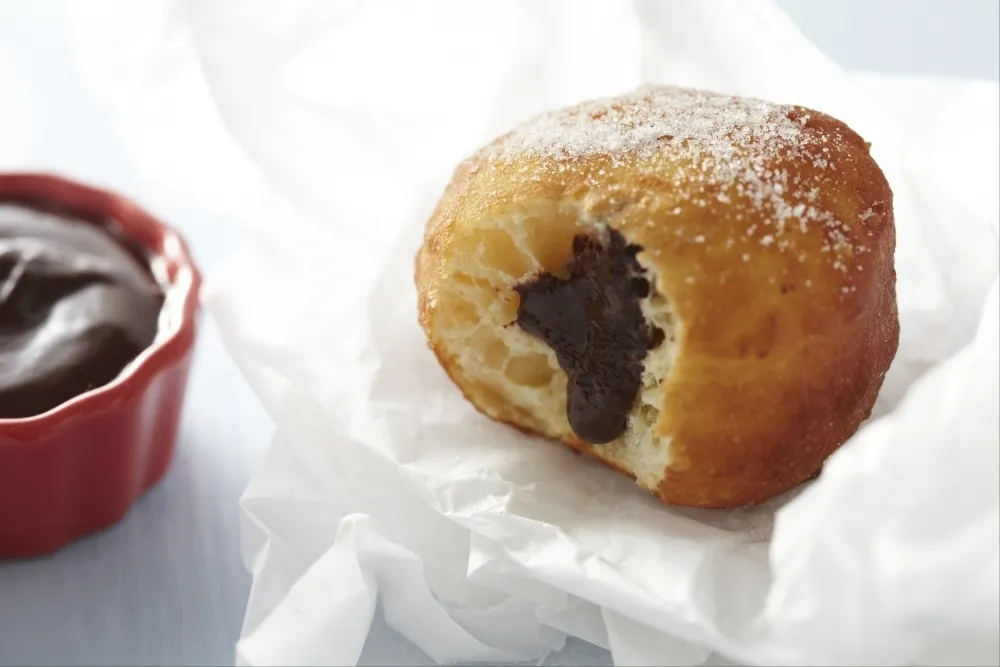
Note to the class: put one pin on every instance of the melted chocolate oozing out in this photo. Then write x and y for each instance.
(593, 323)
(76, 306)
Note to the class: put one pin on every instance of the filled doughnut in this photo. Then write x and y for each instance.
(696, 289)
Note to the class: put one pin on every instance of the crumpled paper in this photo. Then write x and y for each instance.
(328, 130)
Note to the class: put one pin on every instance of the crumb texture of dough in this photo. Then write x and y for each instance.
(765, 233)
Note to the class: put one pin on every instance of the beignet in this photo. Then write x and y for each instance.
(696, 289)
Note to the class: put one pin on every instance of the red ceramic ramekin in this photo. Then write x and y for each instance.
(79, 467)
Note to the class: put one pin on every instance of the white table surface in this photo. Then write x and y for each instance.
(167, 585)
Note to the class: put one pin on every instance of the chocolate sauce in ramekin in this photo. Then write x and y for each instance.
(78, 303)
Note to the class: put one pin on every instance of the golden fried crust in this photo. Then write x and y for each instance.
(785, 325)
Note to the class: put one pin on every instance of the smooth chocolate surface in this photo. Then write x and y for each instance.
(592, 321)
(76, 307)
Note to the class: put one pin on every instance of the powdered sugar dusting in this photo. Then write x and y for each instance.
(732, 145)
(637, 122)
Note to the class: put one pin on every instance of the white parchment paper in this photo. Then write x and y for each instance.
(329, 128)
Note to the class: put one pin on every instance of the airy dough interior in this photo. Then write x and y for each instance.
(515, 377)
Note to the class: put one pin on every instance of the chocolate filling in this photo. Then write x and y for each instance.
(77, 305)
(593, 323)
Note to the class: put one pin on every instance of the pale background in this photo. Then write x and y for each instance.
(167, 586)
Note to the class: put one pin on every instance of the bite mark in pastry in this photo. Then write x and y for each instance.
(696, 289)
